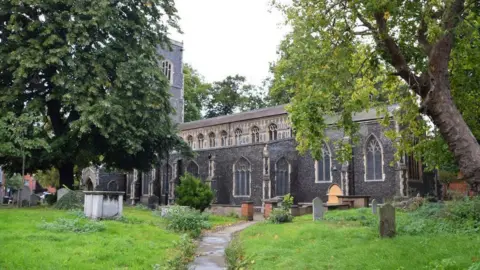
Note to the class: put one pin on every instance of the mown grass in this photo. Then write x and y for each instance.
(349, 240)
(138, 241)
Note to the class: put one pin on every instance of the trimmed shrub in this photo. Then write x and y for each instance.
(187, 220)
(71, 200)
(192, 192)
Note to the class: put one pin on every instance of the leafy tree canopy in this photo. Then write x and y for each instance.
(195, 93)
(233, 95)
(343, 57)
(88, 70)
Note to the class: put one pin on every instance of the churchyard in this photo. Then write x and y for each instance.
(428, 236)
(46, 238)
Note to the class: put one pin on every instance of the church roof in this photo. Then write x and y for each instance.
(272, 111)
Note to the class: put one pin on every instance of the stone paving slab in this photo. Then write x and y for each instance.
(211, 250)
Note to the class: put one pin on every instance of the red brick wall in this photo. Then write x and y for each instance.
(267, 210)
(247, 210)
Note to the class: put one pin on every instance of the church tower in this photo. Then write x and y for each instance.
(172, 67)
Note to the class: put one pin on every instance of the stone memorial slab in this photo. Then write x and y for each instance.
(317, 209)
(374, 206)
(61, 192)
(387, 221)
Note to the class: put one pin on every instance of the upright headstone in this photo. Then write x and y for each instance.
(317, 209)
(61, 192)
(374, 206)
(387, 221)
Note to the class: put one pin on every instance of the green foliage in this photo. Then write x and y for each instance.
(15, 182)
(235, 256)
(76, 225)
(192, 192)
(278, 216)
(287, 202)
(71, 200)
(51, 199)
(49, 177)
(184, 253)
(187, 220)
(89, 75)
(233, 95)
(335, 62)
(195, 93)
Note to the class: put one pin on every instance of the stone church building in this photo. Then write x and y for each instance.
(252, 156)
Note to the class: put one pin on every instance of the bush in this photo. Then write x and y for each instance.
(235, 256)
(186, 219)
(51, 199)
(192, 192)
(282, 215)
(278, 216)
(71, 200)
(73, 225)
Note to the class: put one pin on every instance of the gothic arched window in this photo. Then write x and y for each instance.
(373, 160)
(190, 140)
(167, 68)
(211, 139)
(167, 172)
(255, 134)
(200, 141)
(238, 136)
(224, 136)
(192, 168)
(272, 132)
(324, 165)
(242, 174)
(282, 177)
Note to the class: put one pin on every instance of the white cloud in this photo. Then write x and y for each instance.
(228, 37)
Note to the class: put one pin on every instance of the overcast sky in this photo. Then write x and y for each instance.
(228, 37)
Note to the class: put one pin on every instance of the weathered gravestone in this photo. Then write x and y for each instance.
(387, 221)
(61, 192)
(374, 206)
(317, 209)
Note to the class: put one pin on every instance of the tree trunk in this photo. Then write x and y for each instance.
(454, 130)
(66, 175)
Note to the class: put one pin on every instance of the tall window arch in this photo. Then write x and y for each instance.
(255, 134)
(282, 177)
(167, 69)
(373, 159)
(238, 136)
(190, 140)
(167, 172)
(211, 139)
(200, 140)
(272, 132)
(241, 177)
(324, 165)
(224, 138)
(192, 168)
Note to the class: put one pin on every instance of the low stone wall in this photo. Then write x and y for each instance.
(225, 209)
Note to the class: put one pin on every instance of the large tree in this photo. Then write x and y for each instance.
(196, 91)
(342, 57)
(231, 95)
(89, 70)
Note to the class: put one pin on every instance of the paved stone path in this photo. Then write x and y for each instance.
(211, 250)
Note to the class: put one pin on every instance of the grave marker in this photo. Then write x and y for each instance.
(61, 192)
(317, 209)
(374, 206)
(387, 221)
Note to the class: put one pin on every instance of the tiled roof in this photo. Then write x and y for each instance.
(272, 111)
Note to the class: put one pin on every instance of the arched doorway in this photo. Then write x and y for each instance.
(89, 185)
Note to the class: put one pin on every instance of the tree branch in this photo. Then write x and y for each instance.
(422, 36)
(396, 57)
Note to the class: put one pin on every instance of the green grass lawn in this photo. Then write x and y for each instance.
(305, 244)
(139, 243)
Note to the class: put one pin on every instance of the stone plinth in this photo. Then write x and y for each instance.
(103, 204)
(247, 210)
